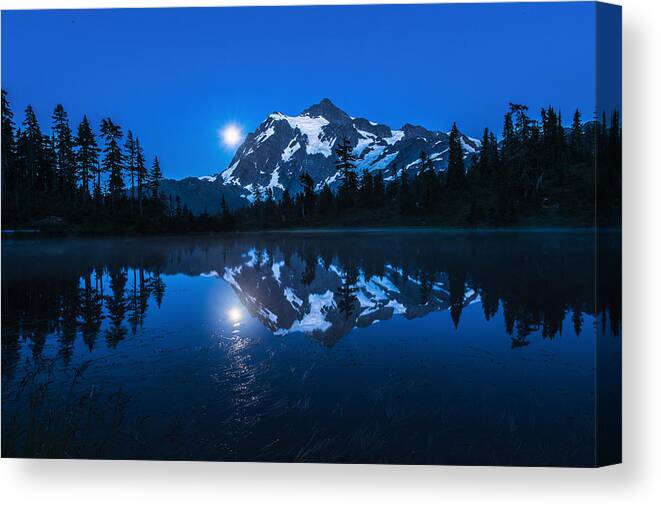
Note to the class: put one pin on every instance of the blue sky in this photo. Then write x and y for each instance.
(175, 76)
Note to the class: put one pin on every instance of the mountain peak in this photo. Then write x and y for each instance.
(416, 131)
(274, 156)
(328, 110)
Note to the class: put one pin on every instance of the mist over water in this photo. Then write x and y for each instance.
(382, 346)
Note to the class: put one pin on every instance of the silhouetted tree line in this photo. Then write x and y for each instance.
(540, 280)
(539, 170)
(100, 179)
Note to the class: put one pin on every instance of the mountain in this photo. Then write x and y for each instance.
(282, 147)
(202, 195)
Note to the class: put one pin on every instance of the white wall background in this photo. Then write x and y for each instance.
(636, 482)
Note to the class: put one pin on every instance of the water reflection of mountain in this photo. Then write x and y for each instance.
(320, 284)
(327, 300)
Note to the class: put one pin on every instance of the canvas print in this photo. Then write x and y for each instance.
(380, 234)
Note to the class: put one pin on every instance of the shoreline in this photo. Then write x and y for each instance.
(331, 230)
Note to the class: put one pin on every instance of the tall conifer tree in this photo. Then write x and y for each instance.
(130, 157)
(113, 160)
(8, 145)
(456, 172)
(140, 172)
(155, 178)
(87, 157)
(65, 161)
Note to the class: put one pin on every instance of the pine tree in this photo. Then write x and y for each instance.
(309, 196)
(456, 173)
(483, 162)
(508, 137)
(345, 165)
(130, 157)
(225, 215)
(140, 172)
(47, 164)
(113, 160)
(32, 150)
(87, 157)
(98, 190)
(8, 145)
(155, 178)
(576, 135)
(65, 161)
(427, 181)
(493, 153)
(521, 122)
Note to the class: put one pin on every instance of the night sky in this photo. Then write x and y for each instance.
(176, 76)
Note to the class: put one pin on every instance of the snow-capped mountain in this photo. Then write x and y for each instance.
(274, 155)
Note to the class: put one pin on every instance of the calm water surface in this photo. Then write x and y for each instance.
(380, 347)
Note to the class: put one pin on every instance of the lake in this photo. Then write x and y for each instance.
(401, 346)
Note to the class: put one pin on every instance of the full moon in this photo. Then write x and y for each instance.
(234, 314)
(231, 135)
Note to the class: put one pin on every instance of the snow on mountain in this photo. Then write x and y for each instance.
(282, 147)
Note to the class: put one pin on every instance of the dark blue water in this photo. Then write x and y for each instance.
(379, 347)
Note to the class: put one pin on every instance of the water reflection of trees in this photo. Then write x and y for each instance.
(86, 290)
(71, 299)
(536, 280)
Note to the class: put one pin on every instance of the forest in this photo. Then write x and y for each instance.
(538, 173)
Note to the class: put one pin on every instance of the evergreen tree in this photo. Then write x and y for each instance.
(456, 173)
(576, 135)
(225, 214)
(33, 151)
(493, 153)
(309, 197)
(345, 165)
(140, 172)
(87, 157)
(483, 166)
(155, 178)
(8, 145)
(522, 125)
(345, 159)
(65, 160)
(428, 182)
(130, 157)
(508, 137)
(113, 160)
